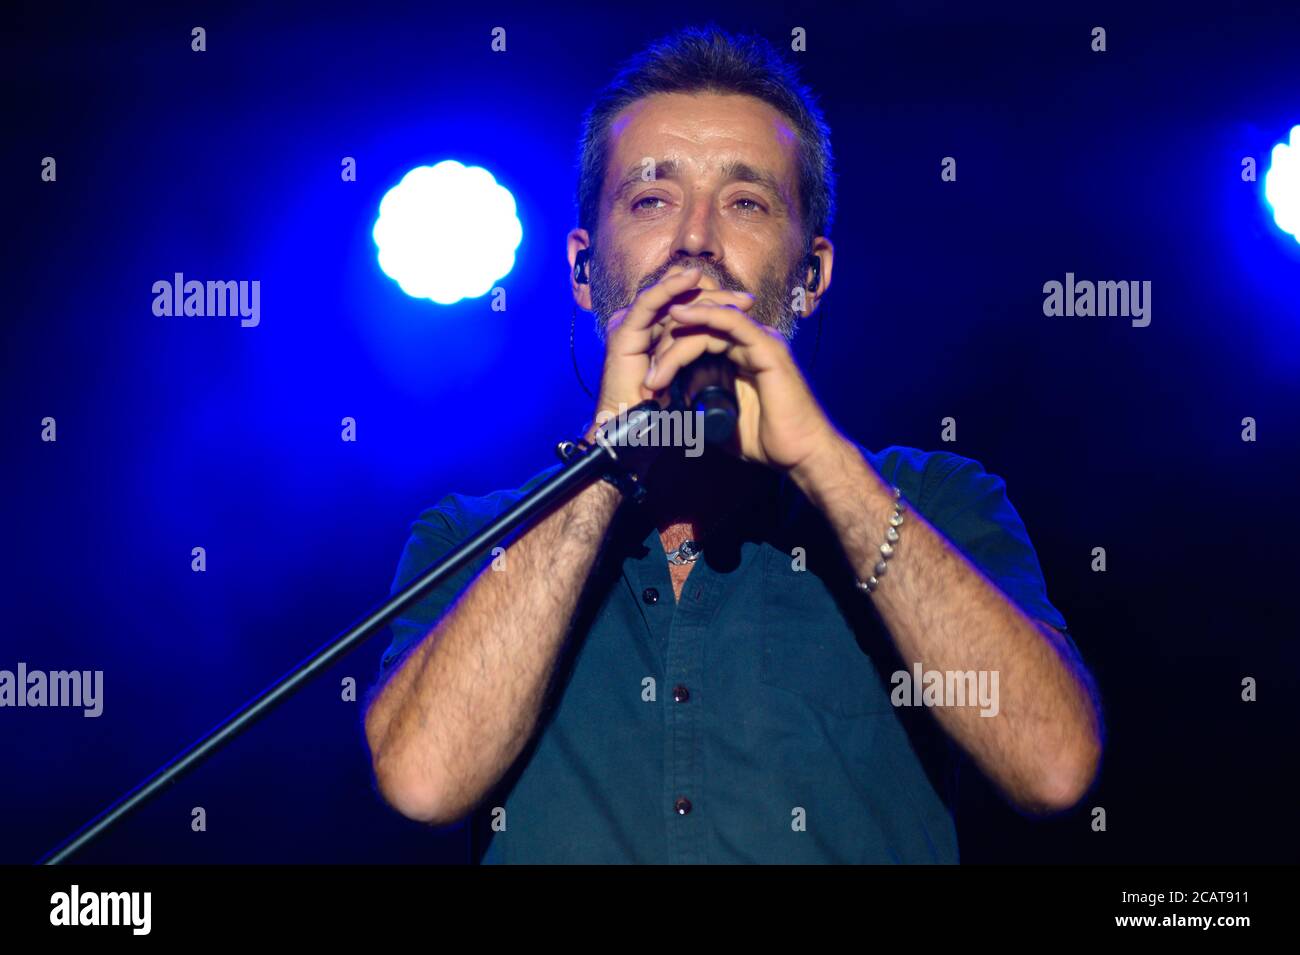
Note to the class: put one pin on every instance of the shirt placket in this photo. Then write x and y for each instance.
(681, 629)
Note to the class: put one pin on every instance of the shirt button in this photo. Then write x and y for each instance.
(681, 694)
(682, 805)
(650, 595)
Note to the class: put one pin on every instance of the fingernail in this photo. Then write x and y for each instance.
(651, 373)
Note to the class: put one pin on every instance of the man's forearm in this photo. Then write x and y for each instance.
(1043, 746)
(459, 709)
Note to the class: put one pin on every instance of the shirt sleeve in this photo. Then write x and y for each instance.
(970, 507)
(434, 534)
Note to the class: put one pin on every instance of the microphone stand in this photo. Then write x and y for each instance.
(581, 467)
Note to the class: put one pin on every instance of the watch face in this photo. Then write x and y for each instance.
(689, 549)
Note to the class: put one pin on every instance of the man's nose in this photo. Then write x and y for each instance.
(697, 235)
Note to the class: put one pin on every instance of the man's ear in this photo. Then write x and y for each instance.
(579, 248)
(824, 253)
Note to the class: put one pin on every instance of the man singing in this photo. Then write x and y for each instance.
(757, 662)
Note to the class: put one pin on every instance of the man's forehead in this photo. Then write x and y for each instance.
(700, 134)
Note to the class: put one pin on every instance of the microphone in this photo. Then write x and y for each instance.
(708, 386)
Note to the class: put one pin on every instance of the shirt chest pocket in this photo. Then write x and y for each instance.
(809, 649)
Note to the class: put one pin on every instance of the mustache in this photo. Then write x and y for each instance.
(718, 273)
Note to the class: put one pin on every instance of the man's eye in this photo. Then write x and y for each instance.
(755, 205)
(637, 204)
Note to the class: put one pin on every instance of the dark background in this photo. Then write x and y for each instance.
(174, 433)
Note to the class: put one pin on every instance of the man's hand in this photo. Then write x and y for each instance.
(634, 332)
(780, 423)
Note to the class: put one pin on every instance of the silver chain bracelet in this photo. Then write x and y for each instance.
(887, 548)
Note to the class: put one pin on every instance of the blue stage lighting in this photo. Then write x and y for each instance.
(447, 232)
(1282, 184)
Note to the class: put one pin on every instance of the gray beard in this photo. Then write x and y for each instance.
(771, 298)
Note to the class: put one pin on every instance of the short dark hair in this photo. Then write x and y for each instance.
(709, 59)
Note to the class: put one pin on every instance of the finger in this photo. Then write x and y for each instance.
(758, 347)
(644, 310)
(635, 341)
(671, 329)
(683, 350)
(743, 329)
(664, 334)
(639, 329)
(742, 301)
(702, 296)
